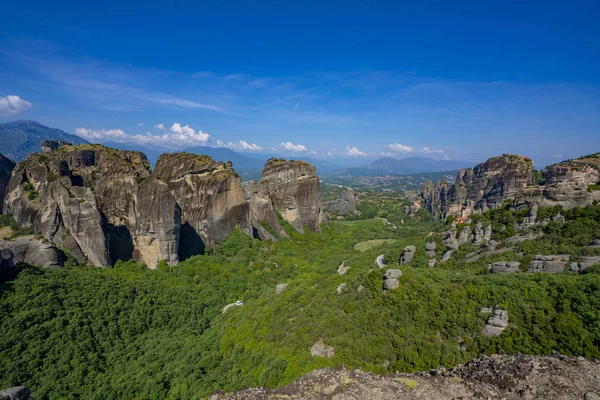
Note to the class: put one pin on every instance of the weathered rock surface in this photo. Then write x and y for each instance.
(340, 289)
(505, 267)
(390, 279)
(15, 393)
(408, 253)
(587, 262)
(345, 204)
(30, 251)
(430, 248)
(495, 378)
(104, 204)
(290, 188)
(496, 323)
(6, 168)
(342, 269)
(435, 197)
(550, 263)
(320, 349)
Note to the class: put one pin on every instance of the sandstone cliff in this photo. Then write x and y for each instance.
(511, 177)
(103, 204)
(345, 204)
(290, 188)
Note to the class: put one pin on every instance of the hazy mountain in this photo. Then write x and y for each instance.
(19, 138)
(409, 165)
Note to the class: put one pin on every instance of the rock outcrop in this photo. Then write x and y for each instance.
(6, 168)
(569, 184)
(430, 248)
(104, 205)
(390, 279)
(290, 189)
(320, 349)
(408, 253)
(345, 204)
(32, 252)
(550, 263)
(496, 323)
(16, 393)
(504, 267)
(495, 377)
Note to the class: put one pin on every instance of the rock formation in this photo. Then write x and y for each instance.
(510, 177)
(103, 204)
(345, 204)
(290, 189)
(430, 247)
(320, 349)
(390, 279)
(6, 168)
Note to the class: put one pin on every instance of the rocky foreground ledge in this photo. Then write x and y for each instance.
(495, 377)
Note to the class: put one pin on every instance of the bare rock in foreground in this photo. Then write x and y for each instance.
(496, 377)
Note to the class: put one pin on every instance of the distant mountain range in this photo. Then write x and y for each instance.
(404, 166)
(19, 138)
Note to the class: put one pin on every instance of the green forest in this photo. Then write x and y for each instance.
(132, 333)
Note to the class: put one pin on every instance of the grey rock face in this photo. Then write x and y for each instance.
(496, 323)
(32, 252)
(390, 284)
(464, 236)
(15, 393)
(407, 254)
(551, 263)
(48, 146)
(505, 267)
(104, 204)
(587, 262)
(341, 288)
(486, 186)
(449, 239)
(345, 204)
(430, 248)
(290, 188)
(6, 168)
(431, 262)
(447, 255)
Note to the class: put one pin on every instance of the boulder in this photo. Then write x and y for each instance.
(449, 239)
(280, 288)
(447, 255)
(16, 393)
(430, 246)
(431, 262)
(392, 274)
(464, 236)
(390, 284)
(504, 267)
(342, 269)
(32, 252)
(341, 288)
(496, 323)
(320, 349)
(408, 253)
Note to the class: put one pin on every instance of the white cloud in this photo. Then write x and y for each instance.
(241, 145)
(11, 105)
(427, 150)
(329, 153)
(355, 152)
(176, 136)
(140, 124)
(289, 146)
(400, 148)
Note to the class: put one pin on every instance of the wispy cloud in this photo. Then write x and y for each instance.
(351, 151)
(295, 108)
(241, 145)
(12, 105)
(400, 148)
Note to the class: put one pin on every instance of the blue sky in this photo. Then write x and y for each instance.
(357, 80)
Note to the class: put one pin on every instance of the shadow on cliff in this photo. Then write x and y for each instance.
(190, 242)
